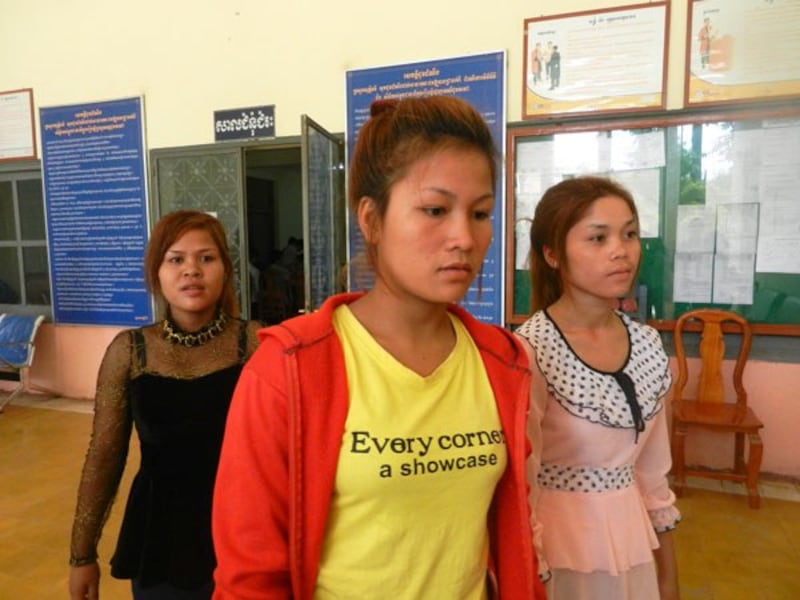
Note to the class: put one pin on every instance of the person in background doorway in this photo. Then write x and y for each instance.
(600, 485)
(173, 381)
(377, 447)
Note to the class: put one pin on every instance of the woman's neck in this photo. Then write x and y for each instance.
(192, 322)
(419, 335)
(570, 313)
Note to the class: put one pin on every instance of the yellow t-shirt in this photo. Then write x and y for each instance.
(419, 463)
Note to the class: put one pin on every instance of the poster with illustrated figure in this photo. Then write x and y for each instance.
(598, 61)
(742, 50)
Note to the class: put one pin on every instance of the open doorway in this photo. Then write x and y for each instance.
(274, 208)
(281, 202)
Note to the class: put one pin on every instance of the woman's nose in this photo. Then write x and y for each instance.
(619, 249)
(190, 267)
(461, 232)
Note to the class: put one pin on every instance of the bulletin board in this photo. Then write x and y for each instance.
(716, 195)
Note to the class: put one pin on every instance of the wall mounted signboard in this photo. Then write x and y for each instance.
(96, 212)
(597, 61)
(17, 139)
(251, 123)
(742, 50)
(479, 79)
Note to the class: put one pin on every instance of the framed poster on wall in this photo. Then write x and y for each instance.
(597, 61)
(742, 50)
(17, 138)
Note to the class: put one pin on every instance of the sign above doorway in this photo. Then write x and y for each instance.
(252, 123)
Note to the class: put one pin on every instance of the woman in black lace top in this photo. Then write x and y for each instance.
(173, 381)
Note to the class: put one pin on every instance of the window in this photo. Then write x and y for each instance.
(24, 270)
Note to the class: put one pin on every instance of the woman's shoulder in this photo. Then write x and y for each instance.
(533, 328)
(491, 339)
(120, 349)
(267, 344)
(252, 326)
(126, 338)
(135, 335)
(250, 329)
(640, 331)
(125, 341)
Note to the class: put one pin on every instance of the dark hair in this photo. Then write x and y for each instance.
(400, 132)
(563, 205)
(167, 231)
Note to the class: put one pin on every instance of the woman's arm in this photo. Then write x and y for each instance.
(538, 402)
(250, 518)
(667, 567)
(103, 466)
(652, 467)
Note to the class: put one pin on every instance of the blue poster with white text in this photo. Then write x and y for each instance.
(96, 211)
(478, 79)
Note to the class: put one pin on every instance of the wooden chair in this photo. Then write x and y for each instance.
(17, 334)
(709, 409)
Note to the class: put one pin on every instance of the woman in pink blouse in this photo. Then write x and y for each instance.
(600, 487)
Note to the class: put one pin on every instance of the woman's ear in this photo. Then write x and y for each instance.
(367, 214)
(550, 257)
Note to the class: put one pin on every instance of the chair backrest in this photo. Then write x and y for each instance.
(17, 333)
(710, 386)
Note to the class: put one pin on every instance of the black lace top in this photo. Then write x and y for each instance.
(177, 398)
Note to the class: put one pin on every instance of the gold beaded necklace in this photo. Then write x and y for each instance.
(175, 335)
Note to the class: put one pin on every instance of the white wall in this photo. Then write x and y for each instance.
(189, 58)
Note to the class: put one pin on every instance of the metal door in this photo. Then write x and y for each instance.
(324, 213)
(209, 179)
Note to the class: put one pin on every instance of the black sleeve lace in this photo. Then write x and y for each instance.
(108, 451)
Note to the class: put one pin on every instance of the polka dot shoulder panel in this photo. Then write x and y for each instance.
(596, 395)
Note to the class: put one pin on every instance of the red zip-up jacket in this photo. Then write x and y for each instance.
(281, 449)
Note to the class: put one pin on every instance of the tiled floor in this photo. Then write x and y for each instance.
(768, 487)
(726, 551)
(41, 454)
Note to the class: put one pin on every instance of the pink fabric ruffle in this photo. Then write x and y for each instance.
(612, 533)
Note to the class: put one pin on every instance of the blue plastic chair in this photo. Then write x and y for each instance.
(17, 333)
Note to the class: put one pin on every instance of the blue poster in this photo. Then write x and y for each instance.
(96, 211)
(479, 79)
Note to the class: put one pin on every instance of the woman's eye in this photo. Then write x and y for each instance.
(482, 215)
(597, 238)
(176, 260)
(632, 234)
(208, 258)
(434, 211)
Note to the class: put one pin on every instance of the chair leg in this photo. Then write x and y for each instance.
(739, 465)
(14, 393)
(753, 468)
(678, 458)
